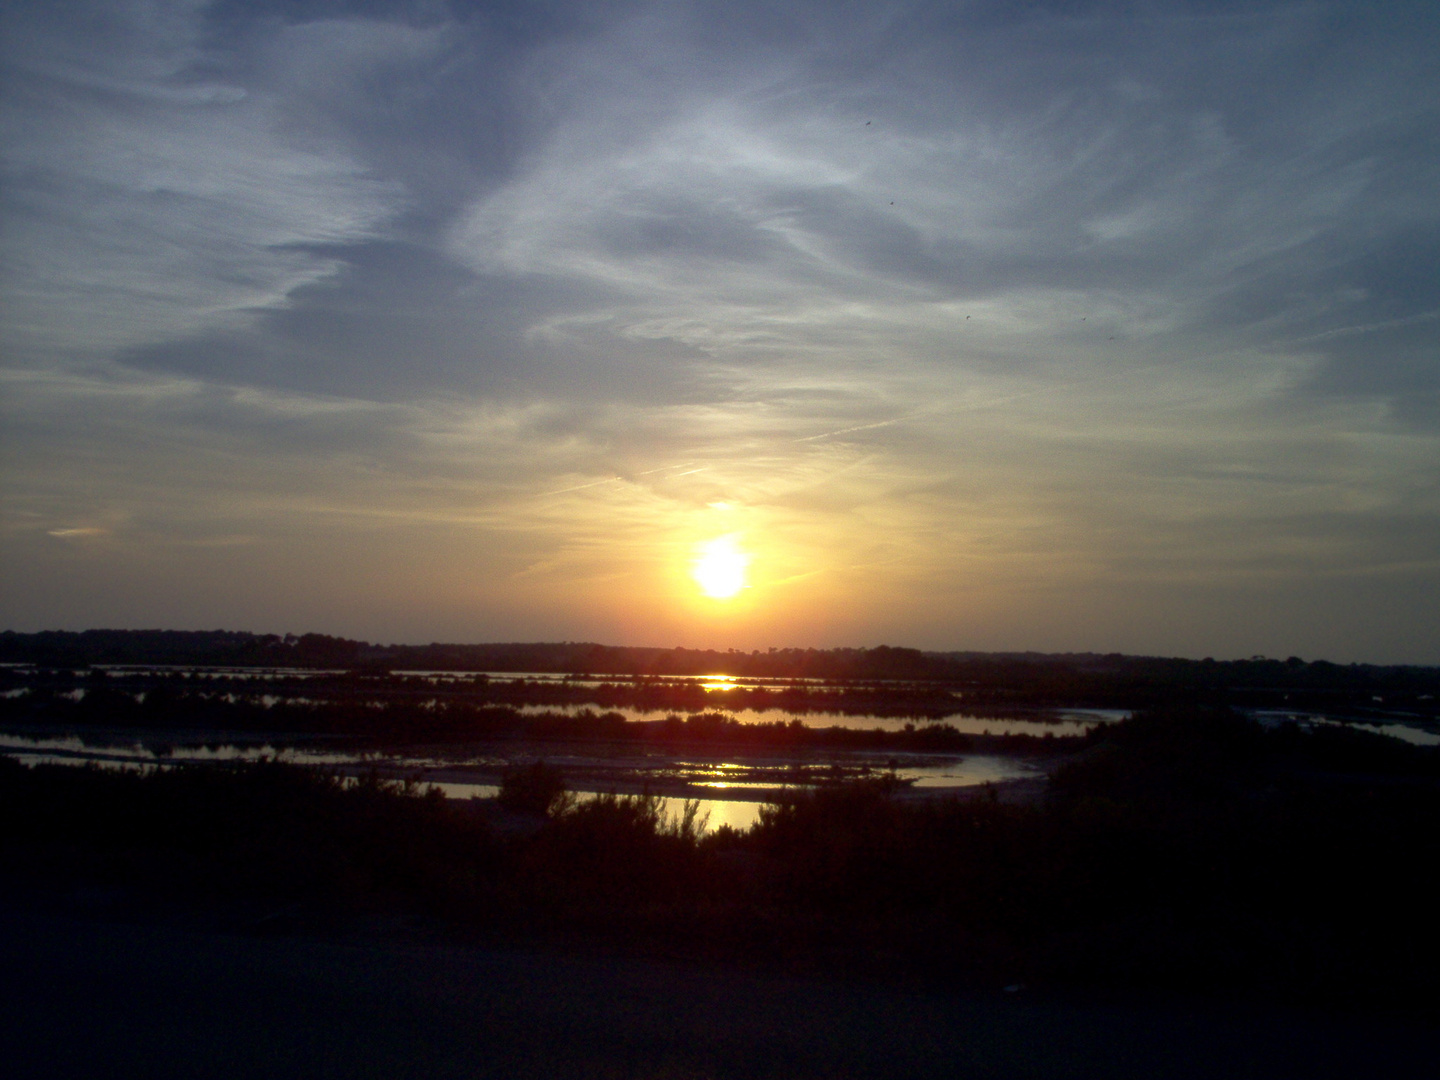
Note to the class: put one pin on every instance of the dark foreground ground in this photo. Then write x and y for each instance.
(1193, 896)
(94, 997)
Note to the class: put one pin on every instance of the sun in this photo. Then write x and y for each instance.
(720, 568)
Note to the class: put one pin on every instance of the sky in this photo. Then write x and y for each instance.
(984, 326)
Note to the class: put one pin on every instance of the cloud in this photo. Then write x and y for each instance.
(957, 307)
(1370, 328)
(146, 200)
(770, 214)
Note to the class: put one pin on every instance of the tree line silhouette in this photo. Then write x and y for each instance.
(987, 679)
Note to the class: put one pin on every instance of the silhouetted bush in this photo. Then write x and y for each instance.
(1187, 848)
(261, 830)
(537, 788)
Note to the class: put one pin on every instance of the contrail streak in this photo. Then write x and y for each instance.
(1369, 328)
(848, 430)
(614, 479)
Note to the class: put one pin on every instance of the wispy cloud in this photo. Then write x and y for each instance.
(1370, 328)
(982, 326)
(145, 202)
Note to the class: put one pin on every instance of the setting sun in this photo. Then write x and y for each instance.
(720, 568)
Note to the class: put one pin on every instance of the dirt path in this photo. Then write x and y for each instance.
(87, 997)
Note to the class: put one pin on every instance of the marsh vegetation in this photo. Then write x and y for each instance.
(1190, 849)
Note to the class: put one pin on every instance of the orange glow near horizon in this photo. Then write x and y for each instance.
(720, 568)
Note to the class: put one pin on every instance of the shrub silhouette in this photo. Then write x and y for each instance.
(536, 788)
(261, 831)
(1187, 848)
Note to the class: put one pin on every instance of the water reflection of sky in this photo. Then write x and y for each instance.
(460, 772)
(1060, 722)
(737, 814)
(714, 812)
(1411, 733)
(968, 772)
(69, 748)
(453, 790)
(28, 760)
(708, 682)
(736, 786)
(121, 671)
(1064, 722)
(717, 812)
